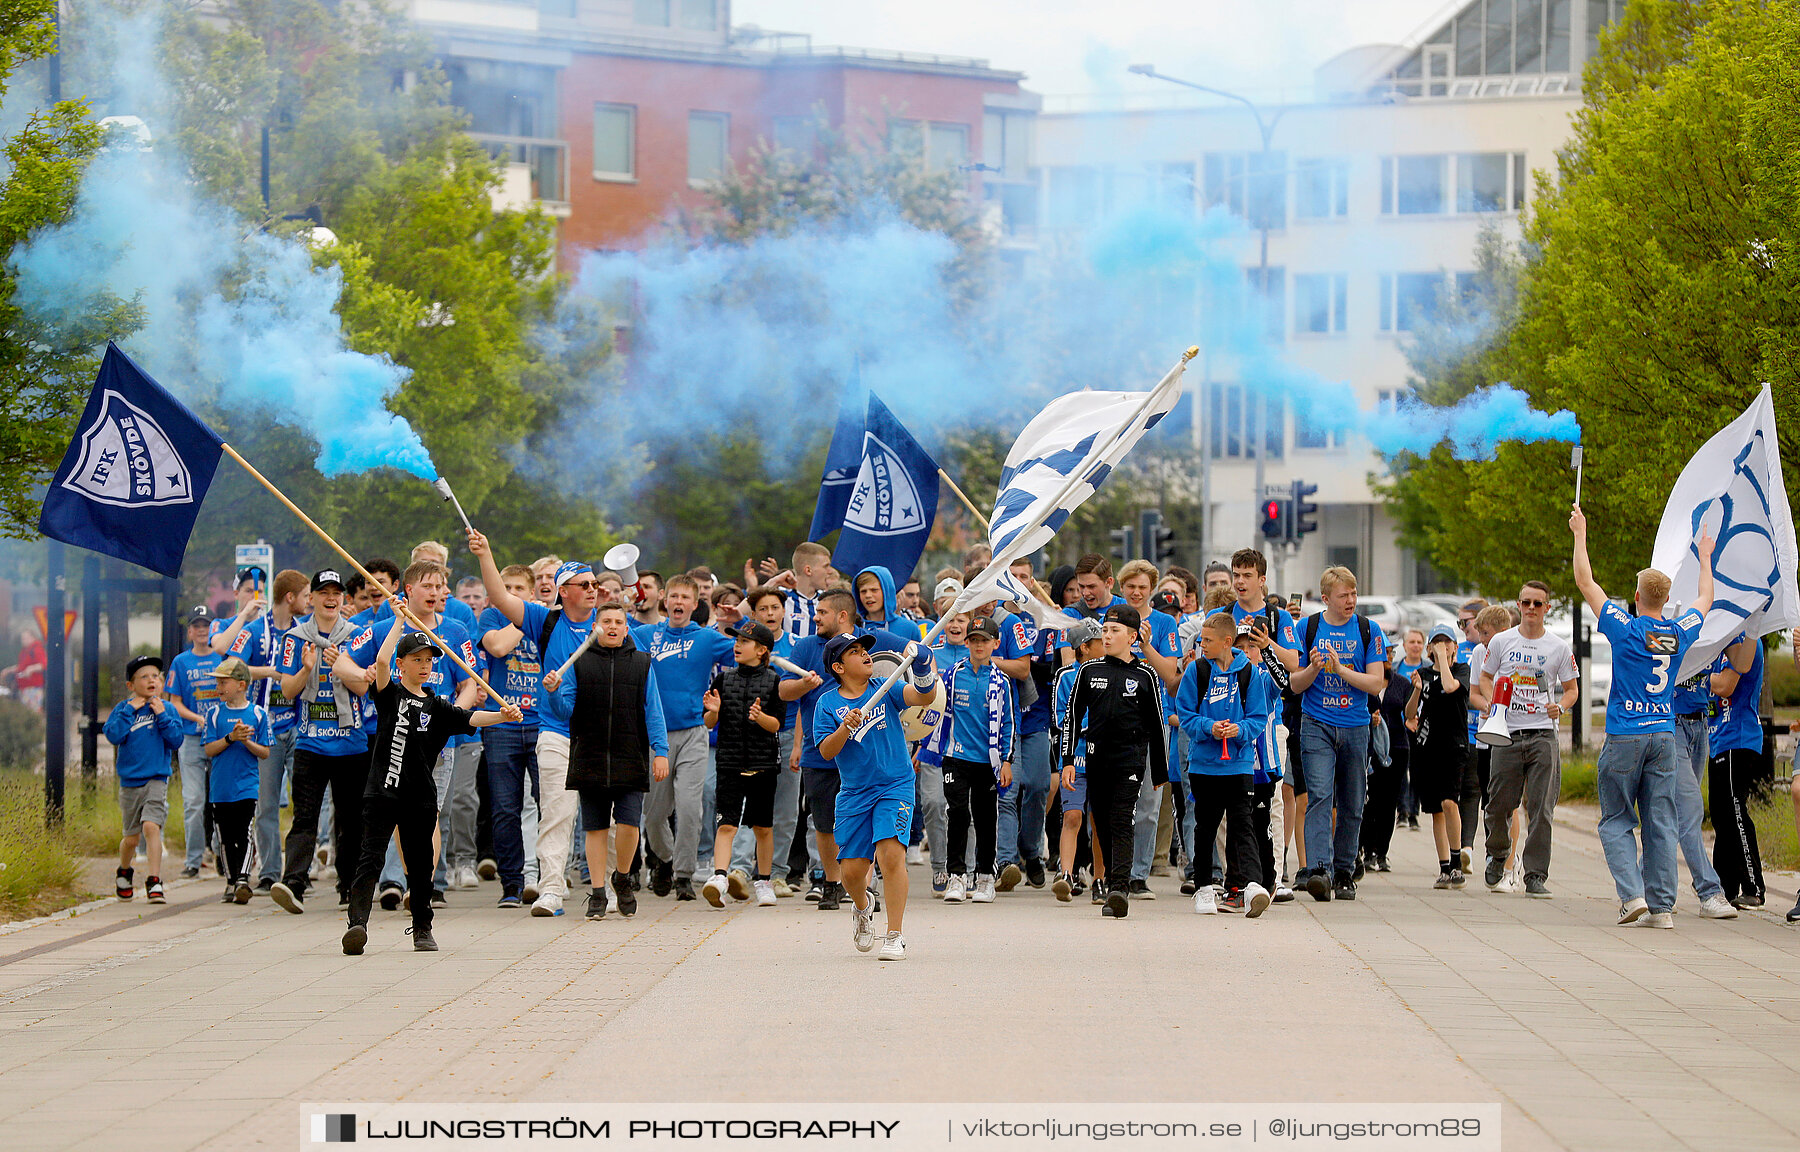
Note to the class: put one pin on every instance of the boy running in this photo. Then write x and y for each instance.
(744, 707)
(146, 732)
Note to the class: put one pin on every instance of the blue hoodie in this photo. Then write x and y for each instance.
(144, 740)
(1198, 706)
(890, 613)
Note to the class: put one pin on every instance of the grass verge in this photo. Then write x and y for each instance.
(1776, 839)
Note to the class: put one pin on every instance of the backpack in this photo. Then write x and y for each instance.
(550, 620)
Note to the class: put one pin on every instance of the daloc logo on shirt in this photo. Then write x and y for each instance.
(126, 460)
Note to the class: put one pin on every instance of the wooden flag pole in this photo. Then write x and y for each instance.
(967, 503)
(400, 607)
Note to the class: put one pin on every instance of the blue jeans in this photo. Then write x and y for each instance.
(1336, 763)
(1022, 808)
(1637, 787)
(196, 767)
(1691, 755)
(512, 770)
(273, 775)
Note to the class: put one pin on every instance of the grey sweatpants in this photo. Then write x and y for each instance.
(1529, 768)
(680, 794)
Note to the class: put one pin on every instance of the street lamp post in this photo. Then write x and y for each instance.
(1254, 426)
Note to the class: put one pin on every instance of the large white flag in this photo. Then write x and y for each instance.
(1733, 486)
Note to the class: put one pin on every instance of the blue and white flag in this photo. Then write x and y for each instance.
(1733, 486)
(842, 461)
(1004, 587)
(892, 504)
(132, 480)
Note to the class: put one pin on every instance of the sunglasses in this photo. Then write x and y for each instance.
(1533, 603)
(583, 585)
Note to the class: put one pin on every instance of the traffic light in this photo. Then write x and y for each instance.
(1275, 518)
(1124, 543)
(1303, 511)
(1157, 539)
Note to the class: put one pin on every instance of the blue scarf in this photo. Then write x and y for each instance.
(932, 750)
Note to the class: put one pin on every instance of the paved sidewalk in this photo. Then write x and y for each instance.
(203, 1025)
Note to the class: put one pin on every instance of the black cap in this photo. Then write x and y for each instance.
(842, 643)
(251, 572)
(414, 642)
(199, 614)
(984, 626)
(137, 662)
(1124, 614)
(1166, 602)
(325, 577)
(756, 632)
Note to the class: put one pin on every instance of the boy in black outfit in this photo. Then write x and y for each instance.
(745, 707)
(414, 726)
(1436, 715)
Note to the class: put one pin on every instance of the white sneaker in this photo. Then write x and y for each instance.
(783, 890)
(765, 894)
(737, 882)
(894, 948)
(862, 932)
(1205, 903)
(984, 890)
(1256, 900)
(549, 904)
(1465, 860)
(470, 881)
(955, 890)
(529, 893)
(1632, 909)
(1716, 907)
(914, 855)
(1658, 920)
(714, 891)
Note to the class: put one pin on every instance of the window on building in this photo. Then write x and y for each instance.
(797, 134)
(949, 147)
(504, 99)
(1320, 303)
(1268, 287)
(615, 141)
(1468, 287)
(1240, 419)
(1176, 190)
(700, 15)
(559, 9)
(1498, 38)
(1321, 189)
(655, 13)
(1528, 37)
(1387, 401)
(1074, 197)
(1224, 173)
(1252, 185)
(1409, 300)
(1344, 556)
(1481, 181)
(708, 133)
(1414, 185)
(1556, 35)
(1307, 434)
(906, 137)
(1006, 139)
(1274, 421)
(1600, 13)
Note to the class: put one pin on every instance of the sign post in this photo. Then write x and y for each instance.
(260, 555)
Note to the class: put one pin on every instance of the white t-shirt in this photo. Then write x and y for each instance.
(1539, 668)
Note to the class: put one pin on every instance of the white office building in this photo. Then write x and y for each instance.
(1372, 190)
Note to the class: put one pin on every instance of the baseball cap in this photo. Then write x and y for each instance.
(1442, 632)
(327, 577)
(755, 632)
(1084, 631)
(414, 642)
(137, 662)
(1166, 602)
(984, 626)
(199, 614)
(569, 569)
(251, 572)
(232, 668)
(1124, 614)
(948, 586)
(842, 643)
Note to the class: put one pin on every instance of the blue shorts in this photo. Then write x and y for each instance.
(1074, 799)
(858, 831)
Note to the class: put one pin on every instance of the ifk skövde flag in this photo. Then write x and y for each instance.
(842, 461)
(1733, 485)
(131, 483)
(893, 503)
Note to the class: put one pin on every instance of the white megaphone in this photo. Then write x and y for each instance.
(622, 559)
(1494, 731)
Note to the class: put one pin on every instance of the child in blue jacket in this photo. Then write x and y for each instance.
(1223, 704)
(146, 732)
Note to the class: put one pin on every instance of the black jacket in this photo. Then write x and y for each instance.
(1117, 706)
(744, 746)
(609, 739)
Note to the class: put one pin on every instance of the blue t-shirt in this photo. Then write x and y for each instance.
(1329, 699)
(321, 730)
(446, 675)
(236, 770)
(1065, 688)
(191, 681)
(1080, 608)
(968, 701)
(258, 644)
(809, 654)
(1735, 723)
(1465, 651)
(946, 655)
(684, 659)
(515, 675)
(1022, 637)
(454, 609)
(877, 766)
(564, 639)
(1646, 651)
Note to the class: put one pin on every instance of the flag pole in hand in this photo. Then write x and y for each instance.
(400, 609)
(1575, 463)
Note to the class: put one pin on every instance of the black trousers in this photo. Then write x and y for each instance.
(970, 791)
(1383, 803)
(232, 818)
(1731, 777)
(1230, 797)
(1262, 798)
(1114, 778)
(1474, 793)
(380, 816)
(345, 776)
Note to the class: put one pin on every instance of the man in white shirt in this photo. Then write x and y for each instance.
(1541, 668)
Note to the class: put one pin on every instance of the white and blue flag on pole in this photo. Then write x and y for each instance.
(1733, 486)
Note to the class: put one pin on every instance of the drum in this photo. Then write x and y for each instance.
(920, 722)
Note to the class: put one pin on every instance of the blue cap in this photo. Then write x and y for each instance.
(569, 569)
(1442, 632)
(842, 643)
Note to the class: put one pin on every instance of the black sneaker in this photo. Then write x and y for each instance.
(122, 884)
(1318, 886)
(1076, 884)
(230, 896)
(263, 886)
(438, 899)
(662, 877)
(509, 899)
(623, 895)
(596, 905)
(240, 891)
(1140, 890)
(1098, 894)
(1034, 873)
(390, 897)
(1535, 886)
(815, 888)
(355, 937)
(1188, 887)
(830, 893)
(286, 897)
(1360, 869)
(1794, 912)
(189, 873)
(684, 889)
(1345, 888)
(1496, 870)
(423, 942)
(1118, 905)
(1412, 823)
(1381, 864)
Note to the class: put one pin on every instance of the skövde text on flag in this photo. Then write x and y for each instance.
(1733, 486)
(134, 476)
(842, 461)
(893, 503)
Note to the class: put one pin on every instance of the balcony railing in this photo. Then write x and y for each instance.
(537, 169)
